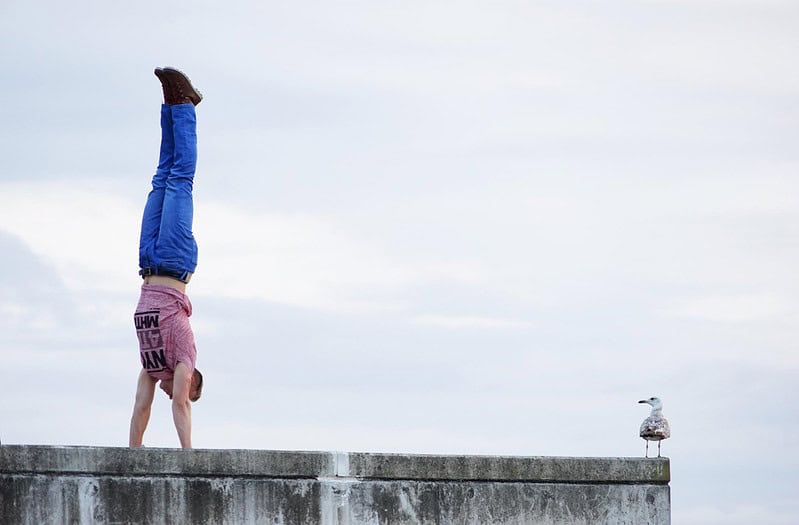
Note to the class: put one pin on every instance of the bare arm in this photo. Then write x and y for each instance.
(181, 406)
(145, 391)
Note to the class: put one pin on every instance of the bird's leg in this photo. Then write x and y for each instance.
(646, 455)
(658, 448)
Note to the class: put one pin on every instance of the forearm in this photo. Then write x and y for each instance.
(138, 424)
(145, 390)
(181, 414)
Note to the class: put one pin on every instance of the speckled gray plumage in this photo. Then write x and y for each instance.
(656, 426)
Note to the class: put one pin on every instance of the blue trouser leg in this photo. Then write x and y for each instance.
(151, 220)
(167, 242)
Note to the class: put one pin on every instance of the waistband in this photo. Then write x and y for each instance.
(180, 276)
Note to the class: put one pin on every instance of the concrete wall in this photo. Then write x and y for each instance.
(40, 485)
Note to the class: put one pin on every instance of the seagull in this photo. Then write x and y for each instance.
(655, 427)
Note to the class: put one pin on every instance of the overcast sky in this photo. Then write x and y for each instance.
(427, 227)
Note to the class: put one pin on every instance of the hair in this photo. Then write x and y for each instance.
(198, 384)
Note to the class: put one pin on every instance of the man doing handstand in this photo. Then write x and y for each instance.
(168, 258)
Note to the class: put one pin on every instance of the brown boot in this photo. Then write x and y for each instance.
(179, 87)
(168, 98)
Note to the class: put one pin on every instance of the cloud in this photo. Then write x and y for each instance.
(295, 259)
(90, 238)
(736, 514)
(472, 227)
(460, 322)
(738, 308)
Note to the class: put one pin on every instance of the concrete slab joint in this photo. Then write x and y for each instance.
(101, 485)
(336, 491)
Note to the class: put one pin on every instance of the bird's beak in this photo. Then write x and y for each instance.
(642, 401)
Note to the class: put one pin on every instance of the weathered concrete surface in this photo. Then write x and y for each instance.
(118, 485)
(499, 468)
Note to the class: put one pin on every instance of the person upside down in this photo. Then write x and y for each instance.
(167, 260)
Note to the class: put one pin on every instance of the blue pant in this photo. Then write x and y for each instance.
(167, 245)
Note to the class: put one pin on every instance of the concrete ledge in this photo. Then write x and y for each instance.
(42, 485)
(165, 462)
(288, 464)
(498, 468)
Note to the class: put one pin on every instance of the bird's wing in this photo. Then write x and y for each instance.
(654, 427)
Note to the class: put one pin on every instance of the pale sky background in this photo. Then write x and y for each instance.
(425, 226)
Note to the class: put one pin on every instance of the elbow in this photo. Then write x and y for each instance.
(141, 407)
(181, 405)
(141, 412)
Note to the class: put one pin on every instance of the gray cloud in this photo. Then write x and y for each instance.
(466, 228)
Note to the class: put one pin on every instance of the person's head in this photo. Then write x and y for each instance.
(196, 386)
(195, 390)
